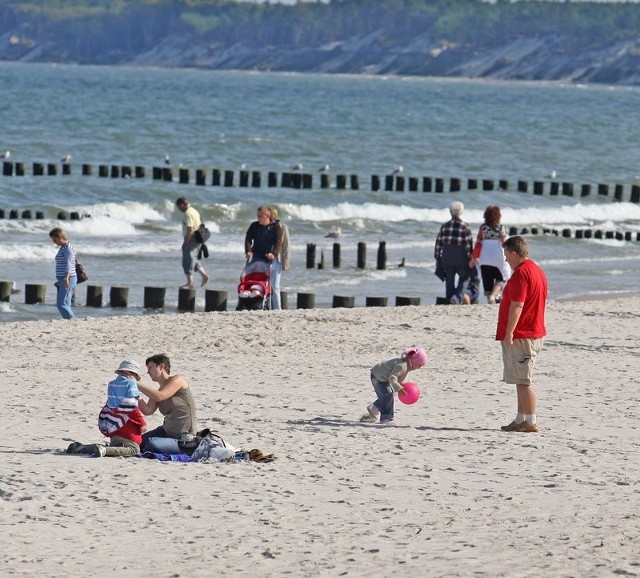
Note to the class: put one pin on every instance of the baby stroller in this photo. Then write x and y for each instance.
(254, 290)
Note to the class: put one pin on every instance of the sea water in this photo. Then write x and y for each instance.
(358, 125)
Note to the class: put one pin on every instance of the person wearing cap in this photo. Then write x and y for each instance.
(120, 419)
(453, 248)
(387, 378)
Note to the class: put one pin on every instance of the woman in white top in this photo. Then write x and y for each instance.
(489, 255)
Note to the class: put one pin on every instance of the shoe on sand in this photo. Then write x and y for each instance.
(95, 450)
(368, 419)
(373, 411)
(74, 448)
(510, 427)
(522, 427)
(525, 427)
(386, 421)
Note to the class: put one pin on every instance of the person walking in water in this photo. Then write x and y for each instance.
(191, 222)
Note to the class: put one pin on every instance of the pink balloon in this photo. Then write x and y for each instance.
(412, 393)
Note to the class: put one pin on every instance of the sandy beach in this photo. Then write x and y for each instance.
(443, 492)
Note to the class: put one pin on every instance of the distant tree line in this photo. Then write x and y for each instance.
(111, 31)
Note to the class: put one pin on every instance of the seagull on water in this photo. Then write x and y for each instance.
(65, 159)
(552, 175)
(6, 154)
(324, 169)
(398, 170)
(167, 160)
(334, 233)
(297, 167)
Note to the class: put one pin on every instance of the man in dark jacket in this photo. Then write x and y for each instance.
(454, 244)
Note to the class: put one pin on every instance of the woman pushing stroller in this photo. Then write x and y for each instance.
(263, 242)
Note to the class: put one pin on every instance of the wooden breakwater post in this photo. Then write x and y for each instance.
(362, 255)
(306, 301)
(187, 300)
(382, 255)
(154, 297)
(34, 293)
(5, 290)
(402, 301)
(618, 192)
(336, 256)
(376, 301)
(215, 300)
(635, 194)
(94, 296)
(346, 301)
(119, 296)
(311, 255)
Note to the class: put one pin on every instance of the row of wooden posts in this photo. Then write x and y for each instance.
(302, 180)
(381, 259)
(215, 300)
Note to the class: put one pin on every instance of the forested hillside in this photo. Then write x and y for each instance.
(586, 42)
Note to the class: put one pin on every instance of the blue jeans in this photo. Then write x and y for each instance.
(159, 441)
(276, 273)
(189, 254)
(63, 298)
(384, 403)
(453, 288)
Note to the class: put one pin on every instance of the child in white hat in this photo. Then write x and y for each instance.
(120, 419)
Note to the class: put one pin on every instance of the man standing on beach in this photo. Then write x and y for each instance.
(521, 329)
(454, 244)
(190, 245)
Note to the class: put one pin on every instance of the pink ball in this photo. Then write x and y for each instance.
(412, 393)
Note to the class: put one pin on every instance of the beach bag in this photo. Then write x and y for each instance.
(81, 273)
(202, 234)
(213, 449)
